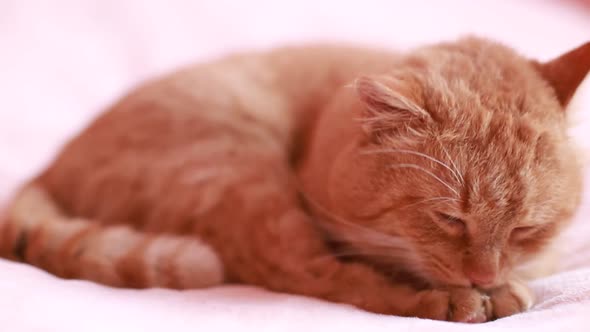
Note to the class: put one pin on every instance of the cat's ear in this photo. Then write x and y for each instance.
(387, 109)
(566, 72)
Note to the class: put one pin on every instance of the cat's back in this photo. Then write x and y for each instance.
(252, 103)
(271, 88)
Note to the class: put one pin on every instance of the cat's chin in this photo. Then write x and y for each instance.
(435, 283)
(424, 281)
(439, 283)
(410, 275)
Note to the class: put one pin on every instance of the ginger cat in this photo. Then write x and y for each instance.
(410, 184)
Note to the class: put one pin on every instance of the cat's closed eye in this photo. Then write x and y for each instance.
(449, 222)
(522, 232)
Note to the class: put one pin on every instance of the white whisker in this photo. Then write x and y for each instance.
(414, 166)
(420, 154)
(457, 173)
(434, 199)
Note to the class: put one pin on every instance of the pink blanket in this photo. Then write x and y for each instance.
(62, 61)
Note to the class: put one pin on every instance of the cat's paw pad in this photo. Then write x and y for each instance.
(466, 305)
(510, 299)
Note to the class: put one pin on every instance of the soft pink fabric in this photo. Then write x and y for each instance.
(62, 61)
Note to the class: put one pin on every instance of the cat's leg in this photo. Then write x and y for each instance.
(515, 296)
(290, 257)
(265, 238)
(512, 298)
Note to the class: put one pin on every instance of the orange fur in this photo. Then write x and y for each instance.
(439, 172)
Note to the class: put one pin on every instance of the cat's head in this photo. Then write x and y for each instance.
(455, 164)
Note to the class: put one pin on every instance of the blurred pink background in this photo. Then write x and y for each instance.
(62, 61)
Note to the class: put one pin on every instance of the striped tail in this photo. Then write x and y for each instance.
(35, 231)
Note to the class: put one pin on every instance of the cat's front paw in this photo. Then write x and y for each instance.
(456, 304)
(512, 298)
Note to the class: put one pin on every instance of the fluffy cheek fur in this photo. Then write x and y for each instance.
(392, 205)
(365, 191)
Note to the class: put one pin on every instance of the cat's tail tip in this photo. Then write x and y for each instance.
(36, 231)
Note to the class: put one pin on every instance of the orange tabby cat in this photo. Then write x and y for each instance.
(409, 184)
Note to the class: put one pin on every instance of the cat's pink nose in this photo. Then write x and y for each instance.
(481, 278)
(482, 269)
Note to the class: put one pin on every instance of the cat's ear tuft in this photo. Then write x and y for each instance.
(387, 109)
(566, 72)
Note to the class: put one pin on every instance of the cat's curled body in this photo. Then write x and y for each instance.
(441, 171)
